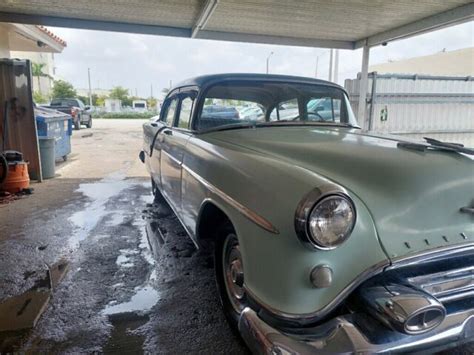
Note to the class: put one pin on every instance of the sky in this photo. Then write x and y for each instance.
(138, 62)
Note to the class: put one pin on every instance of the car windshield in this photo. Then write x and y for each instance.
(269, 103)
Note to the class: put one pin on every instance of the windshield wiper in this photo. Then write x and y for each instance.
(457, 147)
(434, 144)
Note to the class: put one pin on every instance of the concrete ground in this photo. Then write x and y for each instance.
(119, 294)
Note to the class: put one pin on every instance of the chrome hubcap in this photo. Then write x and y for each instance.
(234, 273)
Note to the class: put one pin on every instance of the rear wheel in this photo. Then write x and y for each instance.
(230, 275)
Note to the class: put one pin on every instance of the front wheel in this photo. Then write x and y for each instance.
(230, 275)
(89, 123)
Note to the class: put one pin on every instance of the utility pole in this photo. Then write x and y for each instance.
(136, 92)
(151, 90)
(331, 54)
(268, 61)
(90, 89)
(336, 66)
(171, 84)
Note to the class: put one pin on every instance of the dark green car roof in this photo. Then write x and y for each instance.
(205, 80)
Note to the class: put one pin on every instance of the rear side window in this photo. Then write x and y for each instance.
(184, 117)
(170, 112)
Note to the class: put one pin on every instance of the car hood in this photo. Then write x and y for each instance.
(414, 197)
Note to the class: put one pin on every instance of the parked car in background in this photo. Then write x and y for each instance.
(224, 114)
(251, 113)
(81, 114)
(326, 238)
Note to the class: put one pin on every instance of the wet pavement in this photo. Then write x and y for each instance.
(119, 294)
(136, 284)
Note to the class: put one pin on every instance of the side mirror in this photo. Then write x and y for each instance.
(87, 107)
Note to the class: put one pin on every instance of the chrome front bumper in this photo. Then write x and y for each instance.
(344, 334)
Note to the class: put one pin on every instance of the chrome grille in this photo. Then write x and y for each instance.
(447, 286)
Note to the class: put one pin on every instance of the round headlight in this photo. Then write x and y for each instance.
(331, 221)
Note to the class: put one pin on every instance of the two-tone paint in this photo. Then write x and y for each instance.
(407, 201)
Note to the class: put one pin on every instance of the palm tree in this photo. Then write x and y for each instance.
(37, 70)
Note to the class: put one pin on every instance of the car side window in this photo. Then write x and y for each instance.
(185, 111)
(168, 117)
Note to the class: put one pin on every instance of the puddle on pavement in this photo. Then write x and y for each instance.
(122, 339)
(133, 313)
(143, 300)
(145, 296)
(125, 259)
(99, 193)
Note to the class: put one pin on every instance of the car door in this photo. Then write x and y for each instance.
(157, 128)
(173, 146)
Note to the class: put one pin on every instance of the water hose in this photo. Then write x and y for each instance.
(4, 167)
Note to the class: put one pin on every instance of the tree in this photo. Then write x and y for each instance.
(39, 98)
(84, 99)
(118, 93)
(94, 98)
(100, 101)
(152, 103)
(37, 71)
(62, 90)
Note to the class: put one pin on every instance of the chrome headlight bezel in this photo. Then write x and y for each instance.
(305, 208)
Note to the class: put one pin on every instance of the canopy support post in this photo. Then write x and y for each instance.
(363, 87)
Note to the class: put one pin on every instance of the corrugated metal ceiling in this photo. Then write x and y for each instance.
(311, 22)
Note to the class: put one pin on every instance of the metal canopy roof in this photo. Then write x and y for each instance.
(347, 24)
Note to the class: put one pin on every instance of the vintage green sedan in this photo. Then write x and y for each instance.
(327, 238)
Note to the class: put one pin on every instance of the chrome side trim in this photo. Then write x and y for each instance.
(307, 318)
(251, 215)
(176, 161)
(433, 255)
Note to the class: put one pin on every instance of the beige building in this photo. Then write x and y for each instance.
(97, 91)
(35, 43)
(454, 63)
